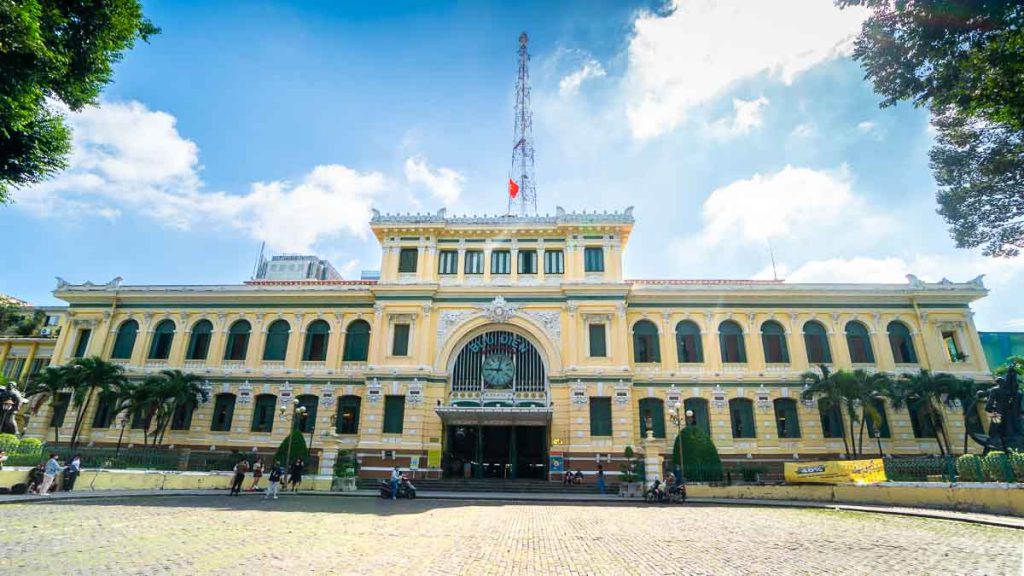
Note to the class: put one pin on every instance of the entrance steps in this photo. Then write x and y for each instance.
(492, 485)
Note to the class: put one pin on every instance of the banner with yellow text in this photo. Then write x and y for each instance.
(836, 472)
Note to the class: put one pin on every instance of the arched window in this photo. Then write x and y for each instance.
(318, 334)
(652, 416)
(310, 403)
(859, 342)
(238, 340)
(263, 413)
(699, 407)
(223, 412)
(831, 419)
(787, 424)
(199, 341)
(182, 417)
(277, 341)
(347, 421)
(816, 341)
(125, 341)
(646, 348)
(773, 338)
(357, 342)
(730, 338)
(688, 346)
(741, 413)
(902, 343)
(163, 337)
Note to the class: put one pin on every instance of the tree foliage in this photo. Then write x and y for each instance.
(55, 54)
(298, 450)
(964, 60)
(701, 462)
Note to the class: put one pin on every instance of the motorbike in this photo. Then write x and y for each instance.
(405, 489)
(658, 493)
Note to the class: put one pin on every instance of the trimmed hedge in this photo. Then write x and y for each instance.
(299, 449)
(701, 462)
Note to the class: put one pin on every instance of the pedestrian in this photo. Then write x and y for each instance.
(396, 477)
(295, 474)
(3, 458)
(236, 483)
(50, 472)
(600, 478)
(71, 472)
(578, 478)
(35, 477)
(257, 473)
(276, 473)
(567, 479)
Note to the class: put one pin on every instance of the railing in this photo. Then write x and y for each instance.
(778, 368)
(271, 365)
(233, 364)
(314, 365)
(353, 366)
(194, 364)
(156, 365)
(129, 458)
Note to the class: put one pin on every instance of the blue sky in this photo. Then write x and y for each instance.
(726, 124)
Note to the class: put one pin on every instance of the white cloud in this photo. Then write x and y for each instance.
(747, 115)
(703, 48)
(802, 131)
(570, 84)
(858, 269)
(870, 129)
(444, 183)
(129, 158)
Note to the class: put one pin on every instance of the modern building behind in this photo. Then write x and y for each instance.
(26, 345)
(296, 267)
(999, 346)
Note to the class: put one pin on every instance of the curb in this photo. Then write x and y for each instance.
(948, 515)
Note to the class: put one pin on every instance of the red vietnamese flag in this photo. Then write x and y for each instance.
(513, 188)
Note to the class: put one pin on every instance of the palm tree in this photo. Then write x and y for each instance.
(828, 389)
(47, 386)
(965, 392)
(86, 375)
(860, 391)
(928, 393)
(175, 389)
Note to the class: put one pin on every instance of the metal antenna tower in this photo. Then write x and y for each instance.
(522, 150)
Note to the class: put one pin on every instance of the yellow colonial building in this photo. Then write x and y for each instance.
(509, 345)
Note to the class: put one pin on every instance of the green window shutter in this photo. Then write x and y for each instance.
(655, 409)
(730, 337)
(223, 413)
(448, 262)
(593, 259)
(902, 343)
(263, 413)
(646, 346)
(554, 262)
(317, 338)
(199, 341)
(600, 416)
(310, 403)
(598, 346)
(407, 260)
(104, 410)
(125, 341)
(182, 417)
(699, 407)
(163, 337)
(741, 411)
(474, 262)
(787, 423)
(773, 342)
(394, 414)
(357, 342)
(276, 347)
(400, 343)
(859, 342)
(816, 342)
(501, 262)
(60, 409)
(688, 343)
(348, 415)
(527, 261)
(238, 341)
(82, 346)
(831, 419)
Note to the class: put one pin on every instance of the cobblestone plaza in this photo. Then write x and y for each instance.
(318, 535)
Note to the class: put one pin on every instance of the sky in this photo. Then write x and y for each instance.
(728, 125)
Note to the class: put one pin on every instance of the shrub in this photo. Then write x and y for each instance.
(968, 468)
(299, 449)
(700, 456)
(346, 465)
(996, 467)
(633, 468)
(30, 446)
(9, 443)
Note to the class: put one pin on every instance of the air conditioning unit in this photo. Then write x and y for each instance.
(45, 331)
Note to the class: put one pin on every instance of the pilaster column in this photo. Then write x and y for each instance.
(32, 350)
(5, 350)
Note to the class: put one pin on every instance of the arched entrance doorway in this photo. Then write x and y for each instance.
(498, 411)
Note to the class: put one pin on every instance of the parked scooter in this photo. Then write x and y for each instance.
(660, 493)
(405, 488)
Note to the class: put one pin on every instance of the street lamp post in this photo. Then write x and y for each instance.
(681, 420)
(123, 422)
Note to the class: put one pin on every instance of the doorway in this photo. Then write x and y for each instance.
(500, 452)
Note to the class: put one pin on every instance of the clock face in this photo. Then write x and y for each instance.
(498, 371)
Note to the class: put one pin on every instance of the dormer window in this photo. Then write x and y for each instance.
(501, 262)
(407, 260)
(593, 259)
(528, 262)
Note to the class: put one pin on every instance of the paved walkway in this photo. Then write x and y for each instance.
(972, 517)
(318, 534)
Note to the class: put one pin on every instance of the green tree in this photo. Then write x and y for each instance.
(928, 393)
(55, 51)
(828, 390)
(700, 460)
(173, 389)
(298, 449)
(86, 376)
(964, 60)
(46, 387)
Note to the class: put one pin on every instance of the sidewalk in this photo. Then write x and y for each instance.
(971, 517)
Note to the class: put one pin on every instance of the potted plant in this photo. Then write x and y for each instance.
(632, 472)
(345, 472)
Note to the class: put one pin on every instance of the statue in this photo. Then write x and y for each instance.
(1006, 428)
(10, 400)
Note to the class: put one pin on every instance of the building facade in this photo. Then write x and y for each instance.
(496, 345)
